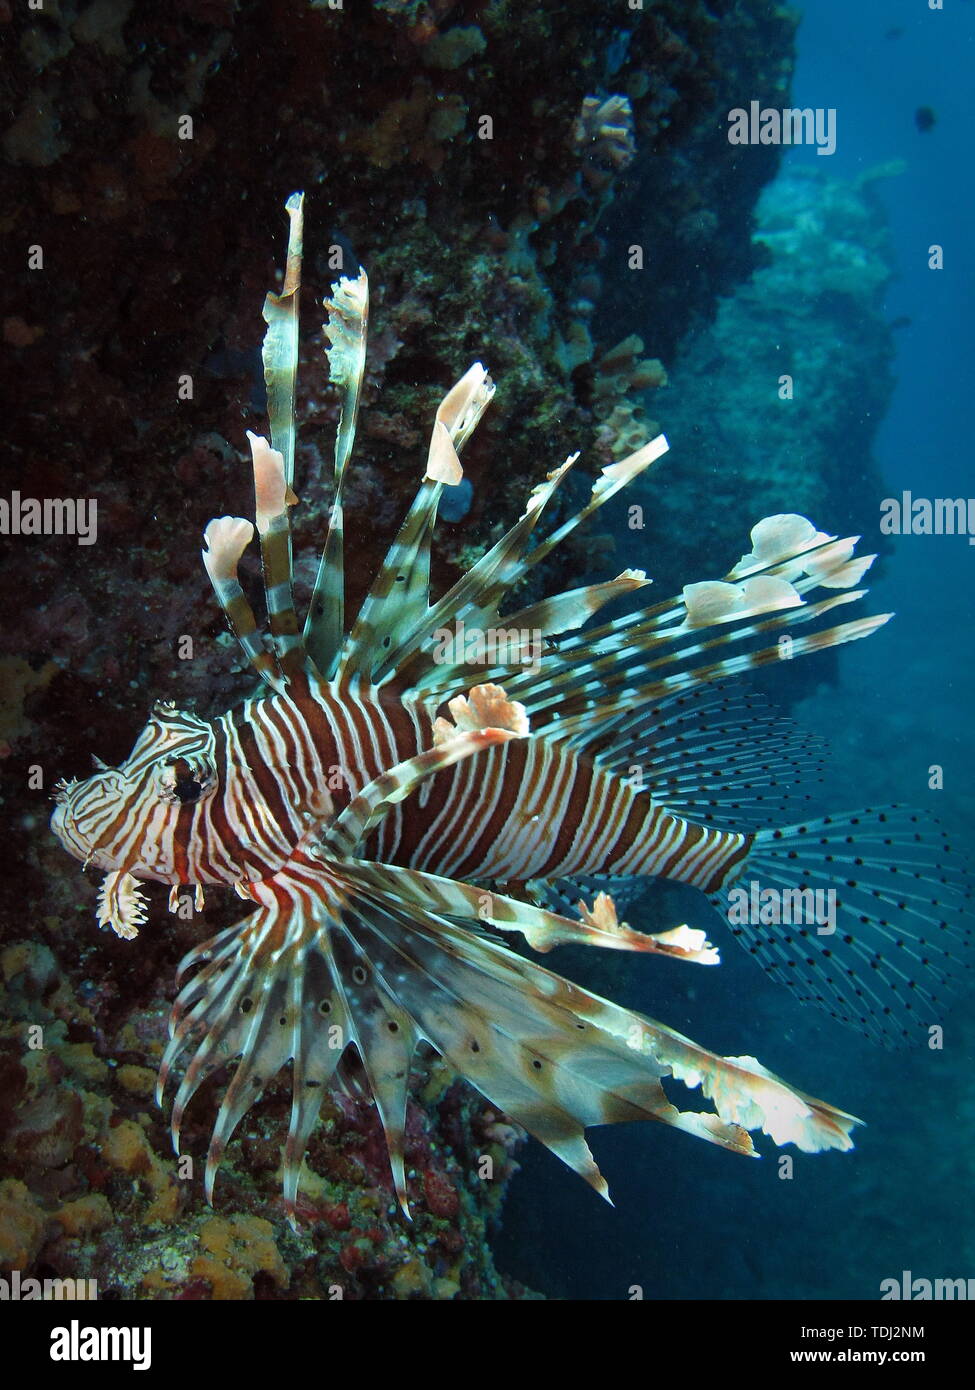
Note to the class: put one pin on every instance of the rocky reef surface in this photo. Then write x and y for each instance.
(489, 163)
(93, 1191)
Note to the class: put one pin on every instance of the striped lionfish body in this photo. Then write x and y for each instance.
(392, 804)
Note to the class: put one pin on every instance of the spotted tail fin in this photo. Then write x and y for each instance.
(866, 915)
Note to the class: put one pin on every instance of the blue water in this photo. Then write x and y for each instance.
(694, 1222)
(924, 444)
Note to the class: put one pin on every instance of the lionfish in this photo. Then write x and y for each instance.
(393, 805)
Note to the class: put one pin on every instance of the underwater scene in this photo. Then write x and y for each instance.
(484, 482)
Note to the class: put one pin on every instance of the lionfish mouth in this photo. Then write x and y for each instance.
(62, 792)
(64, 824)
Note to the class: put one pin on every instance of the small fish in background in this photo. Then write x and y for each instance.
(925, 118)
(895, 33)
(393, 805)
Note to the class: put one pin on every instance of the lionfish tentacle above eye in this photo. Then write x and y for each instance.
(390, 800)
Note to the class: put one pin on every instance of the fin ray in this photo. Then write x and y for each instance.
(900, 937)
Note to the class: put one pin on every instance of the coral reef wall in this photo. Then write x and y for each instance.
(773, 405)
(470, 154)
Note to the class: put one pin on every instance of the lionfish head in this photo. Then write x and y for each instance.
(122, 818)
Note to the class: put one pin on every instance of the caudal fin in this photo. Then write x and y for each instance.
(865, 915)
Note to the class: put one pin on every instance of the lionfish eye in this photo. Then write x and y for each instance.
(186, 786)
